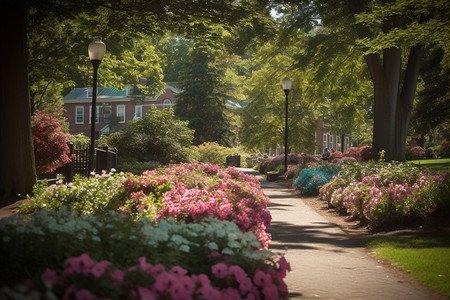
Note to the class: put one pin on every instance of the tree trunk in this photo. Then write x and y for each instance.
(386, 86)
(17, 169)
(405, 102)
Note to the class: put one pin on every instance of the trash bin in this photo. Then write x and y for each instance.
(233, 161)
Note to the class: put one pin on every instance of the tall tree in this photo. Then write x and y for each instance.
(17, 169)
(392, 35)
(202, 100)
(125, 16)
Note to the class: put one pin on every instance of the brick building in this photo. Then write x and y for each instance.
(115, 108)
(326, 138)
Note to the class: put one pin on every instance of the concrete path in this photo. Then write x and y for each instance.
(325, 262)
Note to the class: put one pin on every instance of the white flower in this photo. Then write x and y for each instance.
(184, 248)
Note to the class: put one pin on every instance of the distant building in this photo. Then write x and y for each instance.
(115, 108)
(327, 138)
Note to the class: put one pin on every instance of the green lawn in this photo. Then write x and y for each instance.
(425, 258)
(436, 165)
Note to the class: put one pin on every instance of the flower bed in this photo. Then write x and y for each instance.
(386, 193)
(186, 192)
(113, 256)
(277, 163)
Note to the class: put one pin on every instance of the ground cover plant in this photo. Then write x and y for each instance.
(387, 193)
(58, 254)
(426, 258)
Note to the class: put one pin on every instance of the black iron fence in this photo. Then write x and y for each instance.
(105, 158)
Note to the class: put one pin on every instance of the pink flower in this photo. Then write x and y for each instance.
(79, 264)
(245, 285)
(270, 291)
(85, 295)
(118, 276)
(50, 276)
(145, 293)
(261, 278)
(99, 269)
(220, 270)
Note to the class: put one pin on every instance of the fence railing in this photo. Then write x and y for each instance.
(105, 158)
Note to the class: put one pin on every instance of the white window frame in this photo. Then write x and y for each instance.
(338, 143)
(167, 103)
(120, 112)
(105, 119)
(138, 111)
(77, 111)
(97, 113)
(331, 142)
(346, 143)
(325, 141)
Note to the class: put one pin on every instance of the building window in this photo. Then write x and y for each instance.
(331, 145)
(107, 113)
(137, 112)
(325, 141)
(167, 103)
(79, 115)
(121, 113)
(338, 143)
(96, 114)
(346, 143)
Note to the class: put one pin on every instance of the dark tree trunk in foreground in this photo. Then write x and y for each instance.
(17, 170)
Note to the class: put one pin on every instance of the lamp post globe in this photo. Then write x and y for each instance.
(286, 84)
(96, 51)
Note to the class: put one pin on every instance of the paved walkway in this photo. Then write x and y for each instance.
(325, 262)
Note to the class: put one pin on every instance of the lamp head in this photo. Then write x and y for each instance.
(286, 84)
(96, 50)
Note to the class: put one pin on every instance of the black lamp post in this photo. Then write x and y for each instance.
(286, 84)
(96, 52)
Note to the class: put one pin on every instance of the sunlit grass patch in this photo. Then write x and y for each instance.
(425, 258)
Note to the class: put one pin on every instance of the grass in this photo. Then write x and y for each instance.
(425, 258)
(435, 165)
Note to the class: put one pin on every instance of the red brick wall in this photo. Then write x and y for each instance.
(129, 111)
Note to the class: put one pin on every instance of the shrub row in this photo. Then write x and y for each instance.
(383, 193)
(204, 259)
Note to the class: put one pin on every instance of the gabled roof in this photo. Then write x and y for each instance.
(104, 92)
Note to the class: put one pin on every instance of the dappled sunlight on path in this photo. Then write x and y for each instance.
(325, 262)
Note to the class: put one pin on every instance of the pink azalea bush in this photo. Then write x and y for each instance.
(50, 143)
(383, 194)
(83, 278)
(278, 161)
(189, 192)
(360, 153)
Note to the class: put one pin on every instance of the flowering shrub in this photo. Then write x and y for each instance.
(215, 252)
(92, 195)
(314, 176)
(416, 152)
(335, 155)
(186, 192)
(83, 278)
(278, 161)
(50, 143)
(362, 152)
(193, 191)
(383, 193)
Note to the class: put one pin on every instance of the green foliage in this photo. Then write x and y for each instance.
(79, 140)
(210, 152)
(84, 195)
(254, 160)
(132, 165)
(312, 178)
(202, 100)
(120, 240)
(158, 136)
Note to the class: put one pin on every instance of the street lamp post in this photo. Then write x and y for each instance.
(96, 52)
(286, 84)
